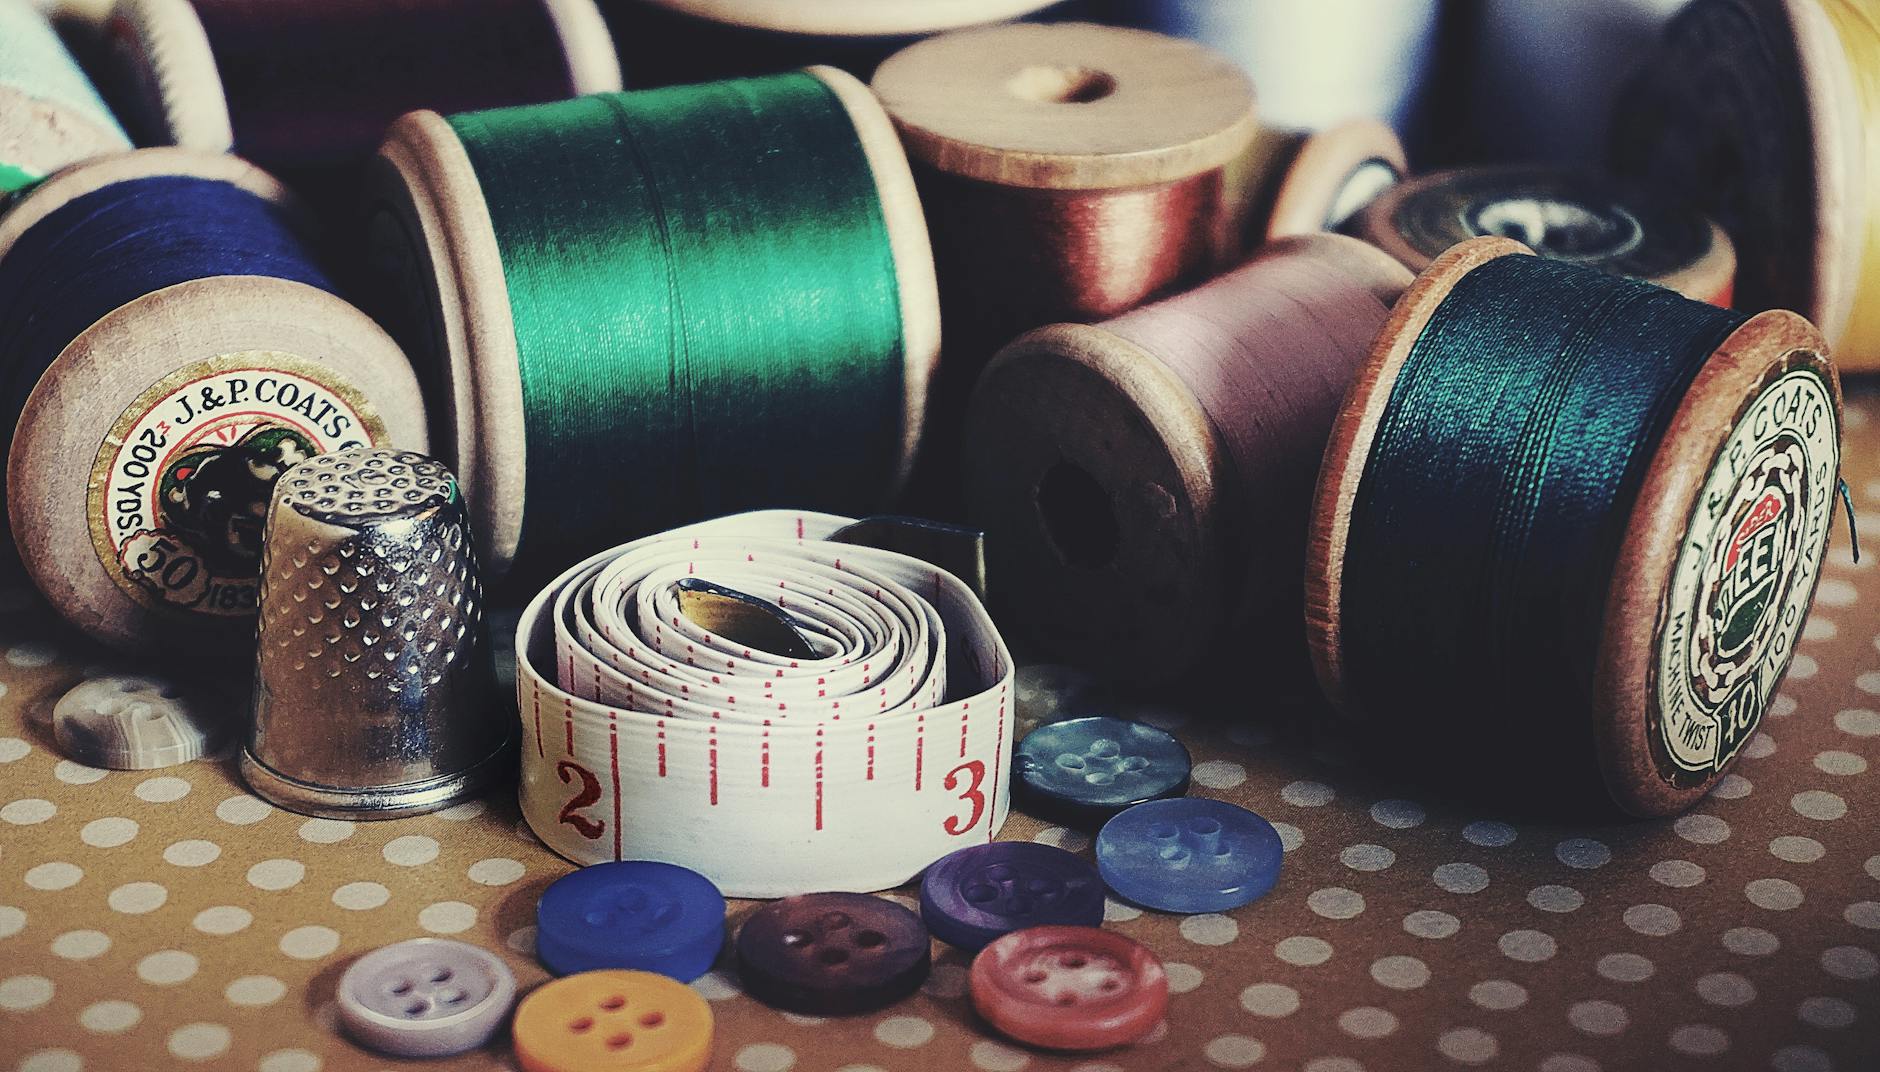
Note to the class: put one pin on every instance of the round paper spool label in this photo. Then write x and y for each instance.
(181, 485)
(1744, 577)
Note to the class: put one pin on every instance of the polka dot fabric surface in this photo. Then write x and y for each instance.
(167, 918)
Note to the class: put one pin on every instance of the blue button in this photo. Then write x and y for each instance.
(971, 897)
(635, 914)
(1083, 771)
(1189, 855)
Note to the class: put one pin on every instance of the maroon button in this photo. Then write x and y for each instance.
(1069, 988)
(833, 953)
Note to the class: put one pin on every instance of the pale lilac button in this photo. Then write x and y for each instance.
(427, 997)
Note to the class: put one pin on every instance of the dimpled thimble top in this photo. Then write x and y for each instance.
(348, 487)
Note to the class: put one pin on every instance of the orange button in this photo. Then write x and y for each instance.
(613, 1021)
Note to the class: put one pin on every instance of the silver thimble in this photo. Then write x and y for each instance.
(373, 693)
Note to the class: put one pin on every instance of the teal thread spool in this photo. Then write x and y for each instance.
(642, 309)
(50, 113)
(1568, 528)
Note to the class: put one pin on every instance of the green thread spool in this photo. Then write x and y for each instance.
(50, 114)
(1568, 527)
(637, 310)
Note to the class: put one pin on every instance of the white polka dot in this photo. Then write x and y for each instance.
(1234, 1051)
(1869, 682)
(110, 1017)
(458, 813)
(1678, 874)
(1555, 898)
(81, 945)
(903, 1032)
(1270, 999)
(946, 981)
(1400, 972)
(243, 810)
(1819, 628)
(1775, 894)
(1834, 592)
(1182, 978)
(52, 1061)
(1830, 1013)
(13, 749)
(362, 896)
(410, 850)
(1210, 928)
(1115, 911)
(136, 898)
(1397, 814)
(989, 1056)
(1290, 836)
(108, 833)
(1582, 853)
(57, 875)
(1303, 952)
(1335, 902)
(1702, 829)
(1597, 1017)
(1527, 946)
(1218, 774)
(712, 986)
(1428, 924)
(1801, 1059)
(1699, 1040)
(1652, 920)
(1732, 786)
(1625, 968)
(1750, 941)
(1468, 1045)
(1461, 878)
(1366, 1022)
(326, 831)
(290, 1061)
(1872, 867)
(1331, 1064)
(24, 993)
(447, 917)
(12, 921)
(309, 943)
(1796, 850)
(1761, 746)
(522, 940)
(1727, 989)
(192, 853)
(167, 967)
(251, 991)
(1818, 804)
(1841, 764)
(1858, 721)
(276, 874)
(162, 789)
(1367, 857)
(1062, 838)
(199, 1042)
(1307, 794)
(28, 812)
(1850, 962)
(1498, 995)
(31, 655)
(1488, 834)
(1863, 914)
(77, 773)
(1803, 668)
(496, 872)
(765, 1057)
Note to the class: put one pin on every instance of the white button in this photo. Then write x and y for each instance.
(133, 722)
(427, 997)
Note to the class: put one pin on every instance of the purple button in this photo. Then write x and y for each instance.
(971, 897)
(427, 997)
(833, 953)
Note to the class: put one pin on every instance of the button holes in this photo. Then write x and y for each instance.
(402, 987)
(1067, 998)
(453, 996)
(833, 921)
(150, 714)
(1164, 831)
(1034, 976)
(128, 686)
(582, 1026)
(1076, 960)
(440, 975)
(1110, 985)
(832, 956)
(613, 1002)
(796, 938)
(620, 1041)
(1070, 762)
(1174, 854)
(1223, 849)
(980, 893)
(1204, 825)
(418, 1008)
(1100, 778)
(870, 939)
(1044, 886)
(1104, 748)
(999, 873)
(1135, 763)
(652, 1019)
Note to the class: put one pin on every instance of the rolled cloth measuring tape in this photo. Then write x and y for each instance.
(1144, 483)
(50, 113)
(719, 296)
(1766, 114)
(1562, 214)
(884, 745)
(1568, 527)
(300, 85)
(1316, 64)
(168, 346)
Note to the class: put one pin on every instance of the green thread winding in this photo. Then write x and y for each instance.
(34, 61)
(705, 306)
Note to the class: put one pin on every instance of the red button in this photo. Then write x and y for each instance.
(1069, 988)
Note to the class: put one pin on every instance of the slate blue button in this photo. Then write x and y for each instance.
(635, 914)
(1085, 770)
(971, 897)
(1189, 855)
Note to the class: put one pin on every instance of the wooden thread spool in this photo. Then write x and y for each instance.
(436, 250)
(1144, 482)
(1302, 182)
(101, 460)
(1560, 214)
(50, 114)
(1749, 457)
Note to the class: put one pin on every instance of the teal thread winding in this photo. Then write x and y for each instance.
(706, 309)
(34, 61)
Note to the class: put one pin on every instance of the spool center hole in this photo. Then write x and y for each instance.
(1566, 230)
(1048, 84)
(1077, 516)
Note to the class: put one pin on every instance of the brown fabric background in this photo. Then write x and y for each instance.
(168, 918)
